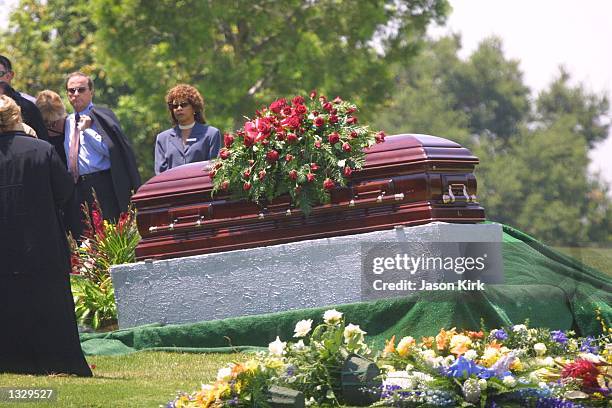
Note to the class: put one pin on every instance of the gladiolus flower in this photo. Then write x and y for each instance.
(328, 184)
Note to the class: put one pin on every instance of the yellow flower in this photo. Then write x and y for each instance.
(517, 365)
(404, 346)
(389, 346)
(459, 344)
(251, 366)
(443, 338)
(490, 356)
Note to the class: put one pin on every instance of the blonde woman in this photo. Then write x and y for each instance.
(54, 116)
(191, 139)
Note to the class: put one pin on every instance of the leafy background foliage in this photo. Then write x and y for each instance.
(244, 54)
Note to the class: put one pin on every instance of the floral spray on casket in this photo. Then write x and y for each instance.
(303, 148)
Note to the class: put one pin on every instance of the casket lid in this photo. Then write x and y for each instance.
(404, 149)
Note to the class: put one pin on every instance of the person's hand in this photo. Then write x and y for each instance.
(84, 122)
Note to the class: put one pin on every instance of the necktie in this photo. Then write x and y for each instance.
(75, 140)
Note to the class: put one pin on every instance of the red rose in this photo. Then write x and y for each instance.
(247, 173)
(280, 135)
(351, 120)
(319, 121)
(348, 171)
(337, 99)
(333, 119)
(351, 110)
(322, 99)
(317, 144)
(293, 174)
(297, 100)
(380, 137)
(314, 167)
(353, 135)
(315, 113)
(291, 122)
(327, 106)
(346, 147)
(301, 109)
(272, 156)
(310, 177)
(224, 154)
(212, 174)
(328, 184)
(288, 157)
(225, 185)
(228, 139)
(262, 174)
(333, 138)
(246, 186)
(333, 111)
(265, 142)
(286, 111)
(249, 140)
(292, 137)
(278, 105)
(313, 94)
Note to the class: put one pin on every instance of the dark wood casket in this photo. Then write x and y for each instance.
(407, 180)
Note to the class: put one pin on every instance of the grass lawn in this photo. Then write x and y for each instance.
(598, 258)
(147, 379)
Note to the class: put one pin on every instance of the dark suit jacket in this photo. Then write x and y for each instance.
(124, 170)
(203, 144)
(39, 333)
(29, 112)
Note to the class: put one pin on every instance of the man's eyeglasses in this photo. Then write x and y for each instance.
(80, 90)
(176, 105)
(3, 73)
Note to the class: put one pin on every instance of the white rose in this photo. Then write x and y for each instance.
(277, 347)
(470, 354)
(539, 348)
(549, 362)
(224, 374)
(351, 331)
(302, 328)
(332, 316)
(519, 327)
(299, 346)
(509, 381)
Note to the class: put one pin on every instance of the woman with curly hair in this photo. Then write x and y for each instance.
(191, 139)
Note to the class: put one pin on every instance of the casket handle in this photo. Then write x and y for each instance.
(451, 197)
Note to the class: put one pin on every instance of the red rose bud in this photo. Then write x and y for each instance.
(293, 174)
(348, 171)
(246, 186)
(224, 185)
(317, 144)
(353, 135)
(327, 106)
(319, 121)
(333, 111)
(328, 184)
(262, 174)
(224, 154)
(292, 137)
(351, 120)
(247, 173)
(297, 100)
(313, 94)
(272, 156)
(333, 138)
(265, 142)
(280, 136)
(380, 137)
(315, 113)
(333, 119)
(310, 177)
(314, 167)
(228, 140)
(288, 157)
(337, 99)
(322, 99)
(212, 174)
(301, 109)
(346, 147)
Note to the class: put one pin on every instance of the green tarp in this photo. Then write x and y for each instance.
(541, 285)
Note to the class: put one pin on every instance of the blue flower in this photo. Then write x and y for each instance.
(463, 367)
(587, 347)
(499, 334)
(558, 336)
(556, 403)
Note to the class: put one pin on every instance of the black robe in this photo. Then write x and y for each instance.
(39, 331)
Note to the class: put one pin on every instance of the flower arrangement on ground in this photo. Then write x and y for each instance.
(513, 366)
(104, 244)
(301, 147)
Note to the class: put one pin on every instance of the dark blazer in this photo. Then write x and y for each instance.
(170, 152)
(124, 170)
(29, 111)
(37, 312)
